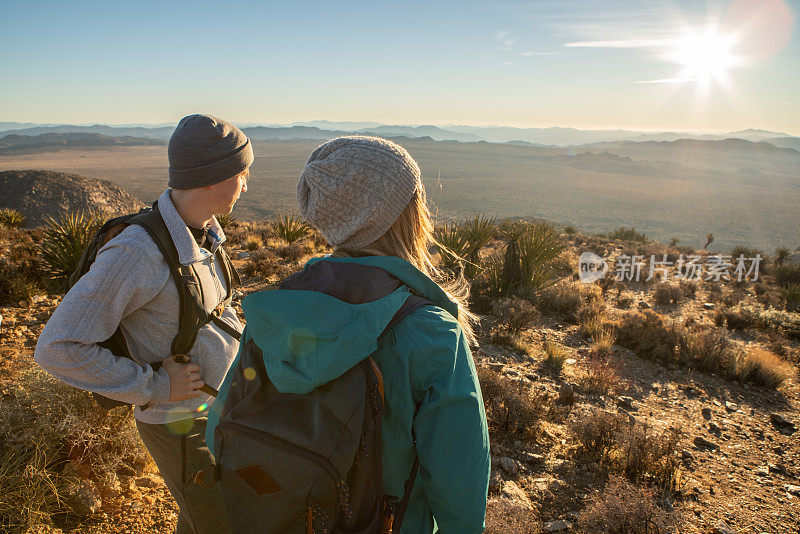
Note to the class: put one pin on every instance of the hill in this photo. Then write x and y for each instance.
(42, 194)
(71, 139)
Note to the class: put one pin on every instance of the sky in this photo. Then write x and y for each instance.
(647, 64)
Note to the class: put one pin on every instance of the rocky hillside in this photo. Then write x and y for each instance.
(42, 194)
(72, 139)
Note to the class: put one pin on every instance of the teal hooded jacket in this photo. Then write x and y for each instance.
(430, 383)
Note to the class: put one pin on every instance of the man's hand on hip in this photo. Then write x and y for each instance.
(184, 379)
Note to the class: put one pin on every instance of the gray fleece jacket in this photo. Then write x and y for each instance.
(130, 285)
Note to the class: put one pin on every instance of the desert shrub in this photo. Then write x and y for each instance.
(529, 261)
(290, 228)
(511, 341)
(781, 255)
(603, 344)
(600, 378)
(787, 274)
(737, 318)
(623, 303)
(21, 273)
(253, 242)
(516, 314)
(633, 449)
(628, 234)
(563, 299)
(764, 368)
(591, 319)
(64, 240)
(708, 350)
(50, 435)
(11, 218)
(646, 334)
(511, 410)
(666, 293)
(570, 230)
(791, 296)
(688, 288)
(225, 220)
(503, 517)
(746, 251)
(555, 355)
(262, 263)
(623, 508)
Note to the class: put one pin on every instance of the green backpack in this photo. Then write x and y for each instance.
(192, 314)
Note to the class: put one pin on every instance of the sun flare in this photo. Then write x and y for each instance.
(705, 56)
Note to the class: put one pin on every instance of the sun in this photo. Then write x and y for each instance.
(705, 56)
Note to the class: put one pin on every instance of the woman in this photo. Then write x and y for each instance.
(366, 197)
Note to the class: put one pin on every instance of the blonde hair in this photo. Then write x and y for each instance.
(410, 238)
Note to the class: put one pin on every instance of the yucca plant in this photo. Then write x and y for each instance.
(11, 218)
(290, 228)
(64, 239)
(787, 274)
(781, 255)
(539, 247)
(225, 220)
(791, 296)
(452, 244)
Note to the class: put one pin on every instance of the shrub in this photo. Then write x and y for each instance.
(64, 239)
(647, 335)
(746, 251)
(20, 269)
(225, 220)
(764, 368)
(603, 344)
(781, 255)
(555, 355)
(50, 433)
(622, 508)
(590, 319)
(562, 299)
(628, 234)
(290, 228)
(623, 303)
(787, 274)
(516, 314)
(570, 230)
(11, 218)
(511, 410)
(632, 449)
(252, 243)
(666, 293)
(600, 378)
(512, 341)
(529, 261)
(791, 296)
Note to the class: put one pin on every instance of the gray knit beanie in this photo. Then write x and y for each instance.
(205, 150)
(354, 188)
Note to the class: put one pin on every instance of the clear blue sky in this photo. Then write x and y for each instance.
(651, 65)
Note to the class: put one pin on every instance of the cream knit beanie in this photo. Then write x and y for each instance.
(354, 188)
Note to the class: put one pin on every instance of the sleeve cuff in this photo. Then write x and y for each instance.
(160, 386)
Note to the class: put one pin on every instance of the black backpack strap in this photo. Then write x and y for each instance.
(191, 312)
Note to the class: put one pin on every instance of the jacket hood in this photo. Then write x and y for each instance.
(310, 337)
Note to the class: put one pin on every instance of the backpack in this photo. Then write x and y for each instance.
(324, 447)
(192, 314)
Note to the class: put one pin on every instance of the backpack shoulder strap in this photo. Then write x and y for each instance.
(191, 310)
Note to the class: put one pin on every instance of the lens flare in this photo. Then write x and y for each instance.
(202, 407)
(249, 373)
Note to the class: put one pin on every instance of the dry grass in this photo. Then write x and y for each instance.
(51, 434)
(633, 449)
(555, 355)
(666, 293)
(600, 378)
(504, 518)
(603, 344)
(21, 272)
(764, 368)
(622, 508)
(516, 315)
(512, 411)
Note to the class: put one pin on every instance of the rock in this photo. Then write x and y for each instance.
(708, 305)
(509, 465)
(533, 377)
(707, 413)
(243, 255)
(779, 469)
(570, 361)
(722, 528)
(714, 427)
(514, 493)
(702, 443)
(531, 458)
(794, 490)
(731, 407)
(626, 403)
(762, 471)
(781, 424)
(148, 481)
(644, 306)
(496, 366)
(84, 498)
(557, 526)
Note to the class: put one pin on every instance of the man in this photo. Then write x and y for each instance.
(130, 285)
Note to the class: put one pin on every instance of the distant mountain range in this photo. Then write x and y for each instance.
(323, 130)
(17, 141)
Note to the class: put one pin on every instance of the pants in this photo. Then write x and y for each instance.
(179, 450)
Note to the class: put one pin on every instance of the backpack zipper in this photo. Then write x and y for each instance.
(278, 443)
